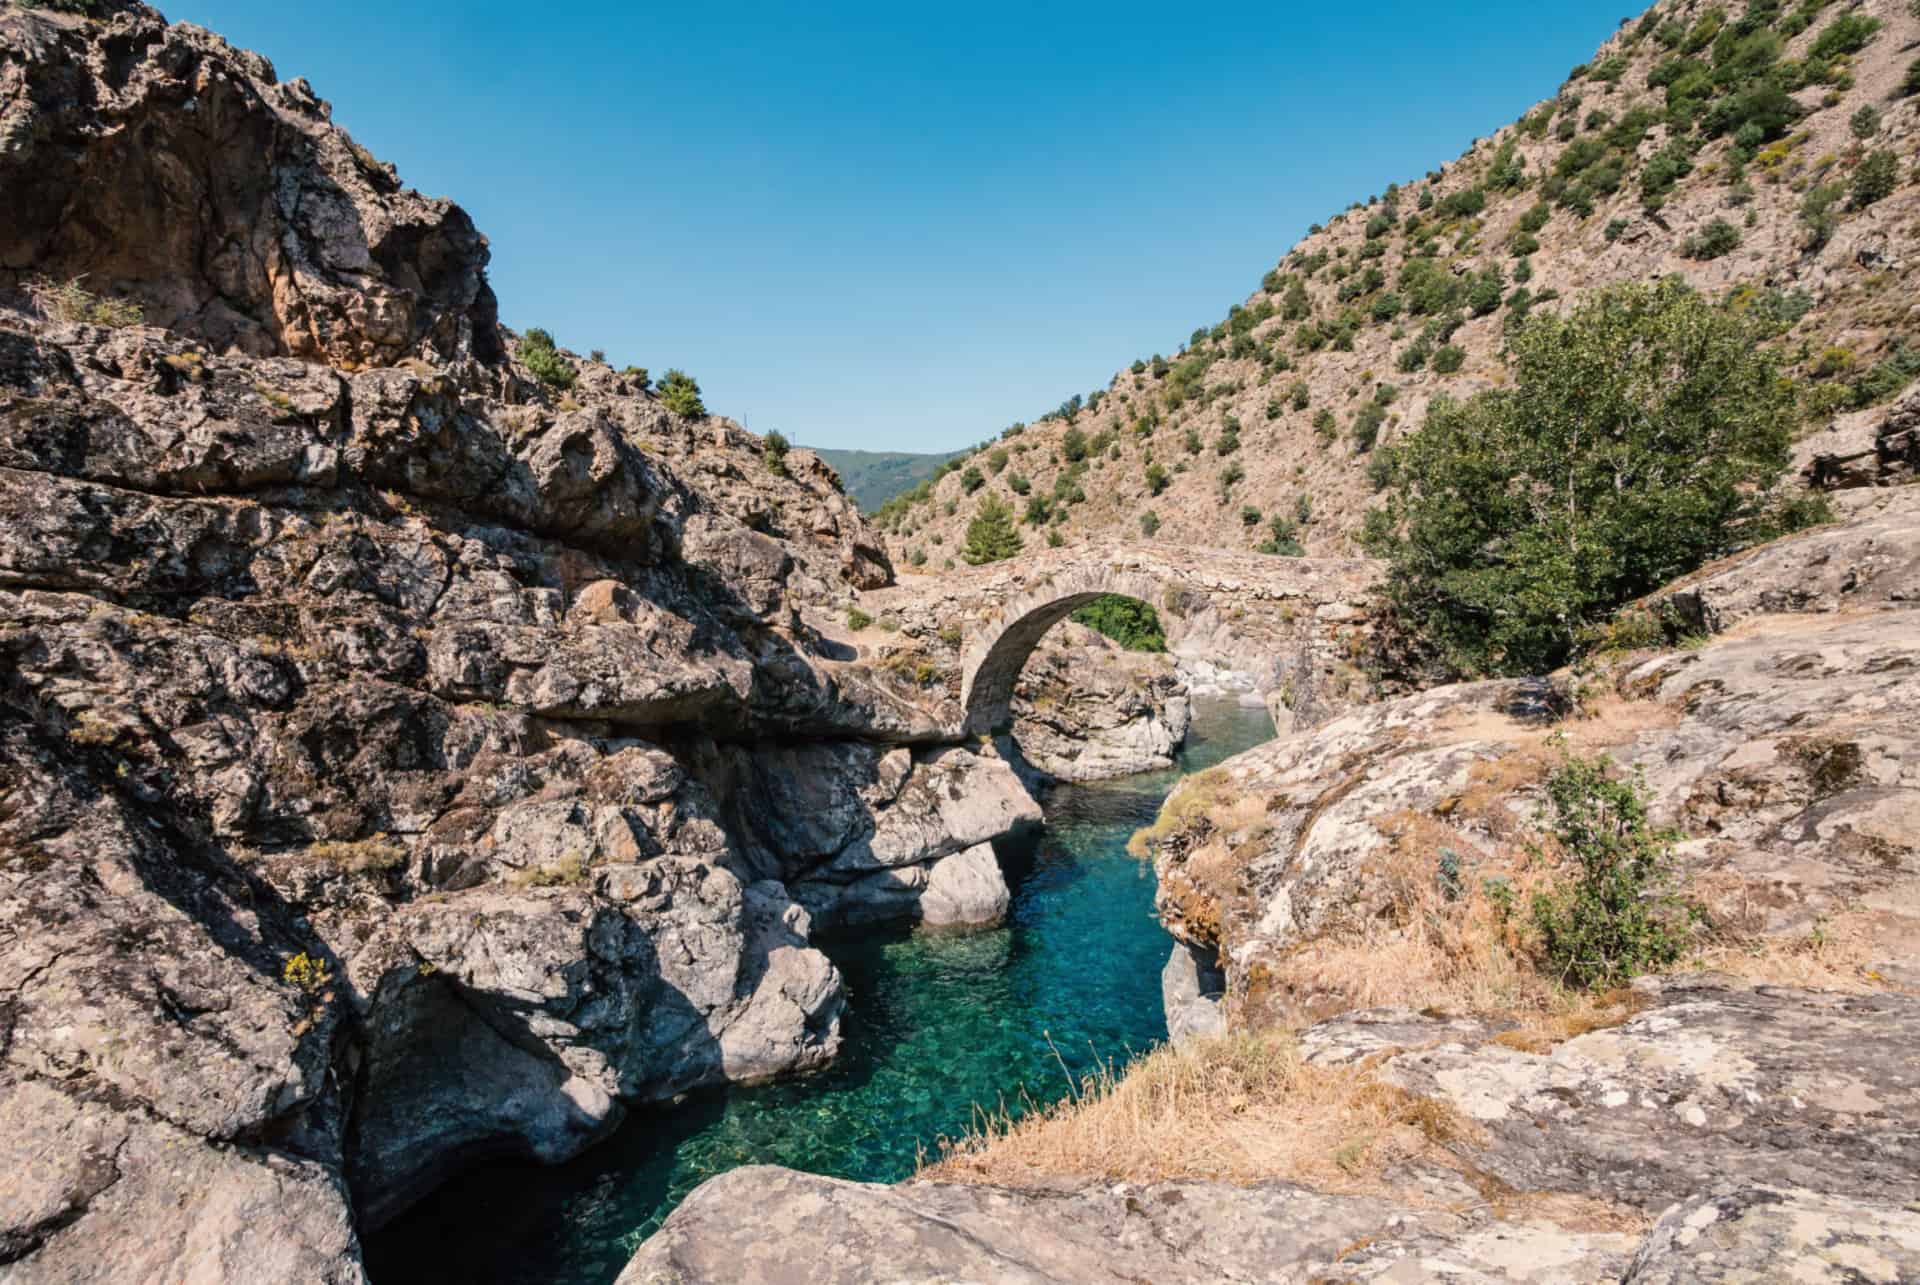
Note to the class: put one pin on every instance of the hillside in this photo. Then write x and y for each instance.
(872, 478)
(1765, 155)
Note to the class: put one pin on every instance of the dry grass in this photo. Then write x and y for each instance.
(1238, 1108)
(360, 856)
(566, 872)
(70, 301)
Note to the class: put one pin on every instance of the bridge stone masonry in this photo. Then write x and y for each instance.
(1292, 627)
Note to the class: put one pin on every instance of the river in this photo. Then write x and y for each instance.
(934, 1025)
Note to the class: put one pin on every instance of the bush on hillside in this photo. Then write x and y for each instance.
(774, 453)
(1619, 915)
(1641, 436)
(1712, 241)
(680, 393)
(1875, 179)
(990, 536)
(543, 360)
(1128, 621)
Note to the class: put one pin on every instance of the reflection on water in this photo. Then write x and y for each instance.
(934, 1025)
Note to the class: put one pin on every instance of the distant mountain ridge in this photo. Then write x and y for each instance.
(874, 477)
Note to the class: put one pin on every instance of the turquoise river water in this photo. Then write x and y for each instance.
(934, 1025)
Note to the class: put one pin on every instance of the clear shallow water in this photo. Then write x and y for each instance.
(934, 1025)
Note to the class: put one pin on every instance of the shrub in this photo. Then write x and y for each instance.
(1366, 427)
(990, 536)
(1128, 621)
(1846, 34)
(1865, 123)
(1614, 229)
(1484, 295)
(1249, 516)
(1717, 238)
(1073, 445)
(1619, 915)
(1038, 511)
(680, 393)
(971, 480)
(1156, 478)
(1019, 484)
(1642, 434)
(1231, 476)
(858, 619)
(1817, 216)
(1449, 359)
(1300, 396)
(774, 453)
(1875, 179)
(997, 460)
(543, 360)
(1911, 84)
(1149, 524)
(1282, 539)
(1229, 440)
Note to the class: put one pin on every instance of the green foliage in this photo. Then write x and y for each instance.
(680, 393)
(1156, 478)
(1019, 484)
(990, 536)
(1229, 440)
(1642, 433)
(1300, 396)
(774, 453)
(1910, 83)
(1875, 179)
(1846, 34)
(1073, 445)
(1282, 538)
(1614, 228)
(1484, 295)
(1449, 359)
(1817, 213)
(543, 360)
(1865, 123)
(1717, 238)
(1618, 916)
(1128, 621)
(858, 619)
(971, 479)
(1149, 524)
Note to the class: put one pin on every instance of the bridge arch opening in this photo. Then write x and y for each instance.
(992, 666)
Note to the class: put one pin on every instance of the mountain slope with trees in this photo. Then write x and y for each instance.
(1764, 153)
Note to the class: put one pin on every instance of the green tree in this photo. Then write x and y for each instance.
(680, 394)
(1876, 178)
(1642, 435)
(539, 355)
(775, 453)
(990, 536)
(1073, 445)
(1128, 621)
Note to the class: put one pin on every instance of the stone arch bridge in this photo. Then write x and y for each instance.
(1286, 623)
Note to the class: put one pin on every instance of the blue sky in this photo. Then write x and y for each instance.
(903, 226)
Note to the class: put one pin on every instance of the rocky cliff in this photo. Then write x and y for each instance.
(1374, 1081)
(408, 751)
(1763, 152)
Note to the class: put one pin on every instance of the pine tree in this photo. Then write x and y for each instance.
(990, 536)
